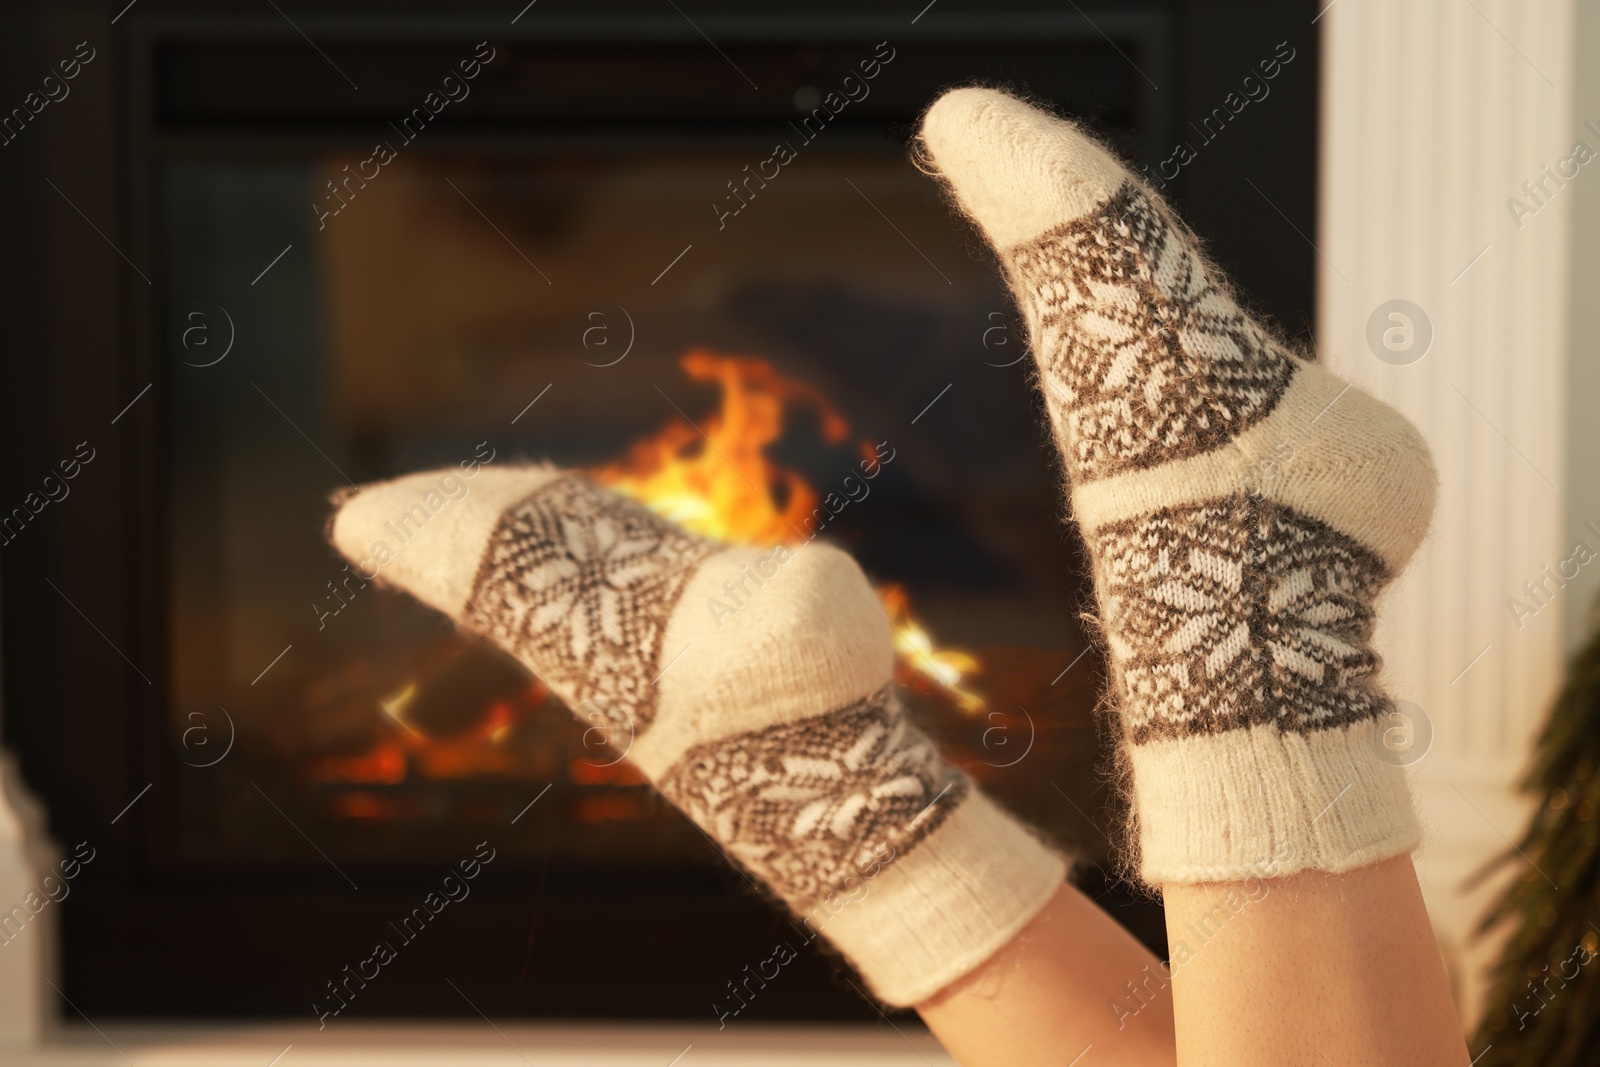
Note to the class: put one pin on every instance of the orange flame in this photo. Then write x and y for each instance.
(946, 666)
(716, 480)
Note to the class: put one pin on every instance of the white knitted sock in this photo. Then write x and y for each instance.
(1242, 509)
(774, 727)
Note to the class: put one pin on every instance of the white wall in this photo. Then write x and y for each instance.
(1434, 114)
(1583, 368)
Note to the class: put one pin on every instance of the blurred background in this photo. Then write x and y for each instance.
(259, 252)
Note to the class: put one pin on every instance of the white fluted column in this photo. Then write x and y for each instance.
(1435, 112)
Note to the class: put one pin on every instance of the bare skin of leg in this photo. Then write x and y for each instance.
(1048, 995)
(1313, 969)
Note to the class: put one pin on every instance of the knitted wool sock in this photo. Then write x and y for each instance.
(1242, 509)
(773, 725)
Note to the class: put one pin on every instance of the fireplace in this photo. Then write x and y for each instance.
(708, 274)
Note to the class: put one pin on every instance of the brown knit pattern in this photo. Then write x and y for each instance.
(1144, 357)
(579, 581)
(1235, 613)
(812, 807)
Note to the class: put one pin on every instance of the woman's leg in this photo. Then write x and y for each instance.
(1317, 969)
(1058, 992)
(1243, 507)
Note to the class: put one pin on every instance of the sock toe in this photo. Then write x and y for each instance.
(426, 532)
(1018, 171)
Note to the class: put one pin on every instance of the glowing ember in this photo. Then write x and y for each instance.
(479, 750)
(395, 706)
(718, 481)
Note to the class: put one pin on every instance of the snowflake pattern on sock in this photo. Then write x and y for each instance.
(579, 581)
(1236, 613)
(1143, 357)
(811, 807)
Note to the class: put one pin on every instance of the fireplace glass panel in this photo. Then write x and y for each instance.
(461, 310)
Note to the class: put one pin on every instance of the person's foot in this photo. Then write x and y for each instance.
(1242, 507)
(752, 686)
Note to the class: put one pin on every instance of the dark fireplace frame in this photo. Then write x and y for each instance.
(83, 599)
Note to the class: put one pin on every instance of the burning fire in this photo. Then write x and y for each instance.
(717, 480)
(945, 666)
(721, 483)
(391, 760)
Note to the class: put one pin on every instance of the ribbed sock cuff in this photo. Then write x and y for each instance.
(1263, 802)
(932, 915)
